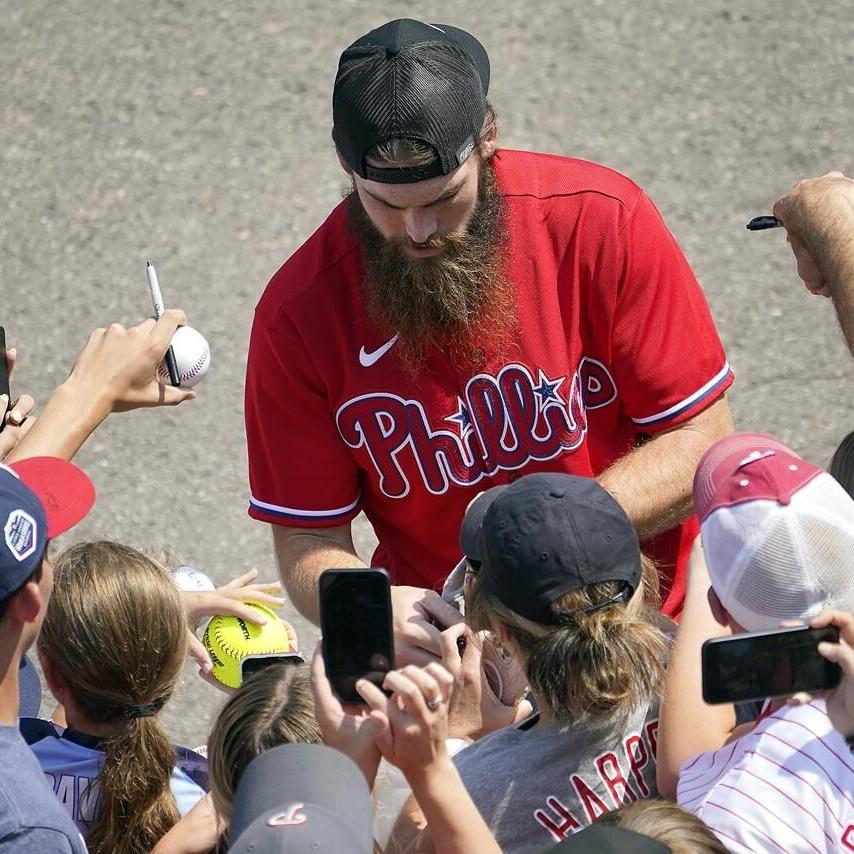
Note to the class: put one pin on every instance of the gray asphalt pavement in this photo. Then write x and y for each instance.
(198, 134)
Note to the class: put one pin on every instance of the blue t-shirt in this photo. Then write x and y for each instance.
(71, 762)
(30, 817)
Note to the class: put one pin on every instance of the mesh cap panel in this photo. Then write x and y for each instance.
(409, 80)
(770, 562)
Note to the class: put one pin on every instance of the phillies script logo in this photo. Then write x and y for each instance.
(501, 422)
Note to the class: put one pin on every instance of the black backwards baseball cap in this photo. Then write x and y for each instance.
(301, 799)
(40, 498)
(410, 80)
(546, 535)
(600, 838)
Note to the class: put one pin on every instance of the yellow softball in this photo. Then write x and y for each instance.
(231, 641)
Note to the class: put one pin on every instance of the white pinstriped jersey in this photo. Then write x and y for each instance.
(786, 786)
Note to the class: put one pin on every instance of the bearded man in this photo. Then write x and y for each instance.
(465, 316)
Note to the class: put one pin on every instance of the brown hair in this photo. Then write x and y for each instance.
(842, 464)
(596, 664)
(413, 152)
(274, 706)
(668, 823)
(115, 634)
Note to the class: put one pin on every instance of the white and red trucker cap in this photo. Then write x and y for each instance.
(778, 532)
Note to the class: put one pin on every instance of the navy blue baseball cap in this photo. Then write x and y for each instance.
(299, 798)
(40, 498)
(546, 535)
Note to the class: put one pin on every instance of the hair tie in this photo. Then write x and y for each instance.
(143, 710)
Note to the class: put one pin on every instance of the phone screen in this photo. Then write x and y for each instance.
(4, 378)
(356, 624)
(767, 664)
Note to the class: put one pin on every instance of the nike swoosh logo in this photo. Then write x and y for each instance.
(367, 359)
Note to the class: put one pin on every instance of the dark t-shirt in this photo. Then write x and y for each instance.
(31, 818)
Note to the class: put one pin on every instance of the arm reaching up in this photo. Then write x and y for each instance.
(115, 372)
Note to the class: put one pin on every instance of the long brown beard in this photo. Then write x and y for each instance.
(460, 300)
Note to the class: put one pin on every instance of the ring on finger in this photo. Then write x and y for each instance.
(434, 704)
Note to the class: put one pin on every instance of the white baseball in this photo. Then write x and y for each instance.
(192, 357)
(189, 578)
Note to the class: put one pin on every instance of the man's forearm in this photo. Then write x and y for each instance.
(839, 265)
(653, 482)
(302, 556)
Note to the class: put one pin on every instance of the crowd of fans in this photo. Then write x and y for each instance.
(598, 738)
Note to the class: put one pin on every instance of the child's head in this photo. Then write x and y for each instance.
(777, 533)
(113, 645)
(272, 707)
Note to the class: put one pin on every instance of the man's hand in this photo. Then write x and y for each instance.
(229, 599)
(840, 702)
(350, 729)
(818, 215)
(419, 617)
(118, 366)
(17, 420)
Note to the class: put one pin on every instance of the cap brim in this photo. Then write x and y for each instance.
(473, 521)
(66, 493)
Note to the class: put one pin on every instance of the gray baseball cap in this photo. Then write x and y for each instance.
(300, 798)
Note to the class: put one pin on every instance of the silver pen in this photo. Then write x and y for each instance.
(157, 302)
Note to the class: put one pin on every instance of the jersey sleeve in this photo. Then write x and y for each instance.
(669, 360)
(300, 471)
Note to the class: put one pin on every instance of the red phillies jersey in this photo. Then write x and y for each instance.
(614, 340)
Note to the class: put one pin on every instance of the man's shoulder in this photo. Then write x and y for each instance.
(329, 258)
(44, 840)
(552, 176)
(29, 812)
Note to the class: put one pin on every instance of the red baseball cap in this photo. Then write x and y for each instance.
(65, 491)
(717, 482)
(40, 498)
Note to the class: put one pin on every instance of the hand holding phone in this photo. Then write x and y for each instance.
(356, 624)
(760, 665)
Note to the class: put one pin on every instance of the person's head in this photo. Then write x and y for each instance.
(777, 534)
(414, 130)
(112, 647)
(842, 464)
(273, 706)
(644, 827)
(559, 581)
(40, 498)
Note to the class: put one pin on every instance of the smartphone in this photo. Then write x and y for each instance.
(758, 665)
(356, 625)
(4, 379)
